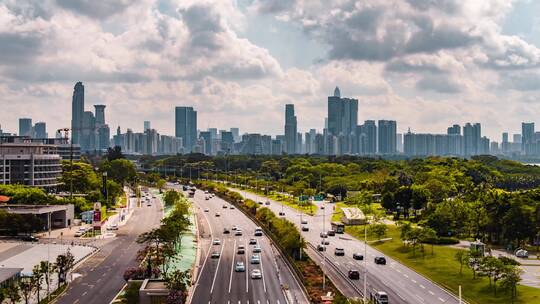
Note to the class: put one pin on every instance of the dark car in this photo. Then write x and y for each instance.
(357, 256)
(380, 260)
(331, 233)
(305, 228)
(281, 213)
(339, 252)
(321, 247)
(226, 231)
(28, 238)
(354, 274)
(215, 255)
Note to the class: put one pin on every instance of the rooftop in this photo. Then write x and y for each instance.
(8, 273)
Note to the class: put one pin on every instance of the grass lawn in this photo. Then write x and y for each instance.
(278, 197)
(442, 268)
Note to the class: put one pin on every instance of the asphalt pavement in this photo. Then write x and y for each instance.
(102, 274)
(218, 282)
(402, 284)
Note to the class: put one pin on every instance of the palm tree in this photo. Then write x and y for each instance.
(26, 285)
(13, 292)
(46, 268)
(37, 278)
(64, 263)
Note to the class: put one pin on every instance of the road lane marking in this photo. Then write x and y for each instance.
(232, 266)
(431, 292)
(262, 272)
(217, 268)
(406, 276)
(414, 281)
(247, 269)
(441, 299)
(85, 293)
(422, 286)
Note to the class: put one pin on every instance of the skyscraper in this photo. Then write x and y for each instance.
(342, 114)
(290, 129)
(25, 127)
(387, 136)
(472, 139)
(100, 115)
(77, 113)
(527, 138)
(146, 125)
(454, 130)
(186, 126)
(40, 130)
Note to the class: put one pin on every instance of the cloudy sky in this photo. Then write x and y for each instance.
(425, 63)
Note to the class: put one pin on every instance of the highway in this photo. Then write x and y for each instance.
(402, 284)
(217, 280)
(102, 274)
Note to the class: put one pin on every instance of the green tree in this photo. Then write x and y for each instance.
(114, 153)
(510, 279)
(428, 235)
(80, 175)
(120, 170)
(37, 280)
(379, 230)
(13, 292)
(462, 257)
(26, 285)
(160, 184)
(64, 264)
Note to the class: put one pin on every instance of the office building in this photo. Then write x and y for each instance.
(454, 130)
(40, 130)
(77, 112)
(528, 140)
(342, 114)
(25, 127)
(472, 136)
(31, 164)
(146, 125)
(186, 127)
(387, 136)
(290, 130)
(236, 134)
(206, 136)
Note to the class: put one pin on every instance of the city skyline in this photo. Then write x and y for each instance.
(261, 56)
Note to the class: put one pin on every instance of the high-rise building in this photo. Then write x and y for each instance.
(387, 136)
(290, 130)
(186, 126)
(77, 113)
(40, 130)
(527, 138)
(100, 115)
(25, 127)
(236, 134)
(472, 139)
(505, 144)
(399, 142)
(206, 136)
(227, 142)
(453, 130)
(342, 114)
(146, 126)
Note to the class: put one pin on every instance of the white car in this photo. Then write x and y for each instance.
(240, 267)
(216, 242)
(304, 222)
(255, 259)
(113, 227)
(257, 248)
(206, 209)
(238, 232)
(256, 274)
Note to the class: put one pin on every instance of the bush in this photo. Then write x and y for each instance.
(442, 241)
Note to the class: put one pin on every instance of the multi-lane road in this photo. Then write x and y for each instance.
(101, 275)
(218, 281)
(402, 284)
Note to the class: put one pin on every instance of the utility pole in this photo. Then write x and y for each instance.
(365, 263)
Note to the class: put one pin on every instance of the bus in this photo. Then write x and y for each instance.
(338, 227)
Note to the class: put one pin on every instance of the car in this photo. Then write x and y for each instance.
(231, 207)
(331, 233)
(321, 247)
(281, 213)
(216, 242)
(354, 274)
(252, 241)
(305, 228)
(226, 231)
(267, 203)
(358, 256)
(240, 267)
(217, 214)
(148, 205)
(325, 242)
(234, 227)
(238, 232)
(80, 233)
(380, 260)
(304, 222)
(206, 210)
(241, 249)
(260, 203)
(28, 238)
(522, 253)
(379, 297)
(225, 207)
(255, 259)
(339, 252)
(256, 274)
(205, 191)
(207, 197)
(258, 231)
(215, 255)
(257, 248)
(113, 227)
(324, 234)
(322, 207)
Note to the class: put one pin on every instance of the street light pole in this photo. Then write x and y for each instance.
(365, 263)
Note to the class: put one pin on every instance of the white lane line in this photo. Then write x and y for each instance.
(406, 276)
(422, 286)
(232, 266)
(414, 281)
(217, 268)
(431, 292)
(247, 269)
(441, 299)
(207, 253)
(262, 273)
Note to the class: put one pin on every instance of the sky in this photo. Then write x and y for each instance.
(426, 63)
